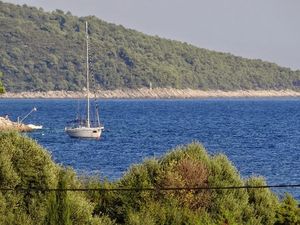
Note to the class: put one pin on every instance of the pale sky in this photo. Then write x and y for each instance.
(264, 29)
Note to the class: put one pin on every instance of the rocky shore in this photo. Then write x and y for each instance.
(8, 125)
(156, 93)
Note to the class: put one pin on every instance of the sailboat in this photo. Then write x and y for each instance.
(86, 128)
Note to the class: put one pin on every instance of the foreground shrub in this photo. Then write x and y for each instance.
(24, 164)
(189, 166)
(289, 212)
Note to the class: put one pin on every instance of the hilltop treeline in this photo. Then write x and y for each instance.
(25, 165)
(43, 51)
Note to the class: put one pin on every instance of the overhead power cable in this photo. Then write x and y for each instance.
(124, 189)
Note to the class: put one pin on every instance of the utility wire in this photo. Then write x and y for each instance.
(124, 189)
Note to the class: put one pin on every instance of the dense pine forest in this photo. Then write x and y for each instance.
(43, 51)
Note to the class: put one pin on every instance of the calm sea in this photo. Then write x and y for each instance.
(260, 136)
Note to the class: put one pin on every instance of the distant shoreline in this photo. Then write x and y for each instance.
(156, 93)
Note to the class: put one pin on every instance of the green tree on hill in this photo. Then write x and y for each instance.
(2, 90)
(43, 51)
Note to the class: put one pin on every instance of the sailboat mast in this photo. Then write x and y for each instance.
(87, 74)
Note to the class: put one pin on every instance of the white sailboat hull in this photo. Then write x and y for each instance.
(84, 128)
(35, 127)
(84, 132)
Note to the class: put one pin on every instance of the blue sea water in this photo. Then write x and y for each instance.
(260, 136)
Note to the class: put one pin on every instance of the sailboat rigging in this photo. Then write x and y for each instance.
(86, 128)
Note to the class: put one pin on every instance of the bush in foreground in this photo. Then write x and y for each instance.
(24, 164)
(189, 166)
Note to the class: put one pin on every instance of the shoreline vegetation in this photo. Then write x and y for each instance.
(156, 93)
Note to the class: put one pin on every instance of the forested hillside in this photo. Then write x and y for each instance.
(45, 51)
